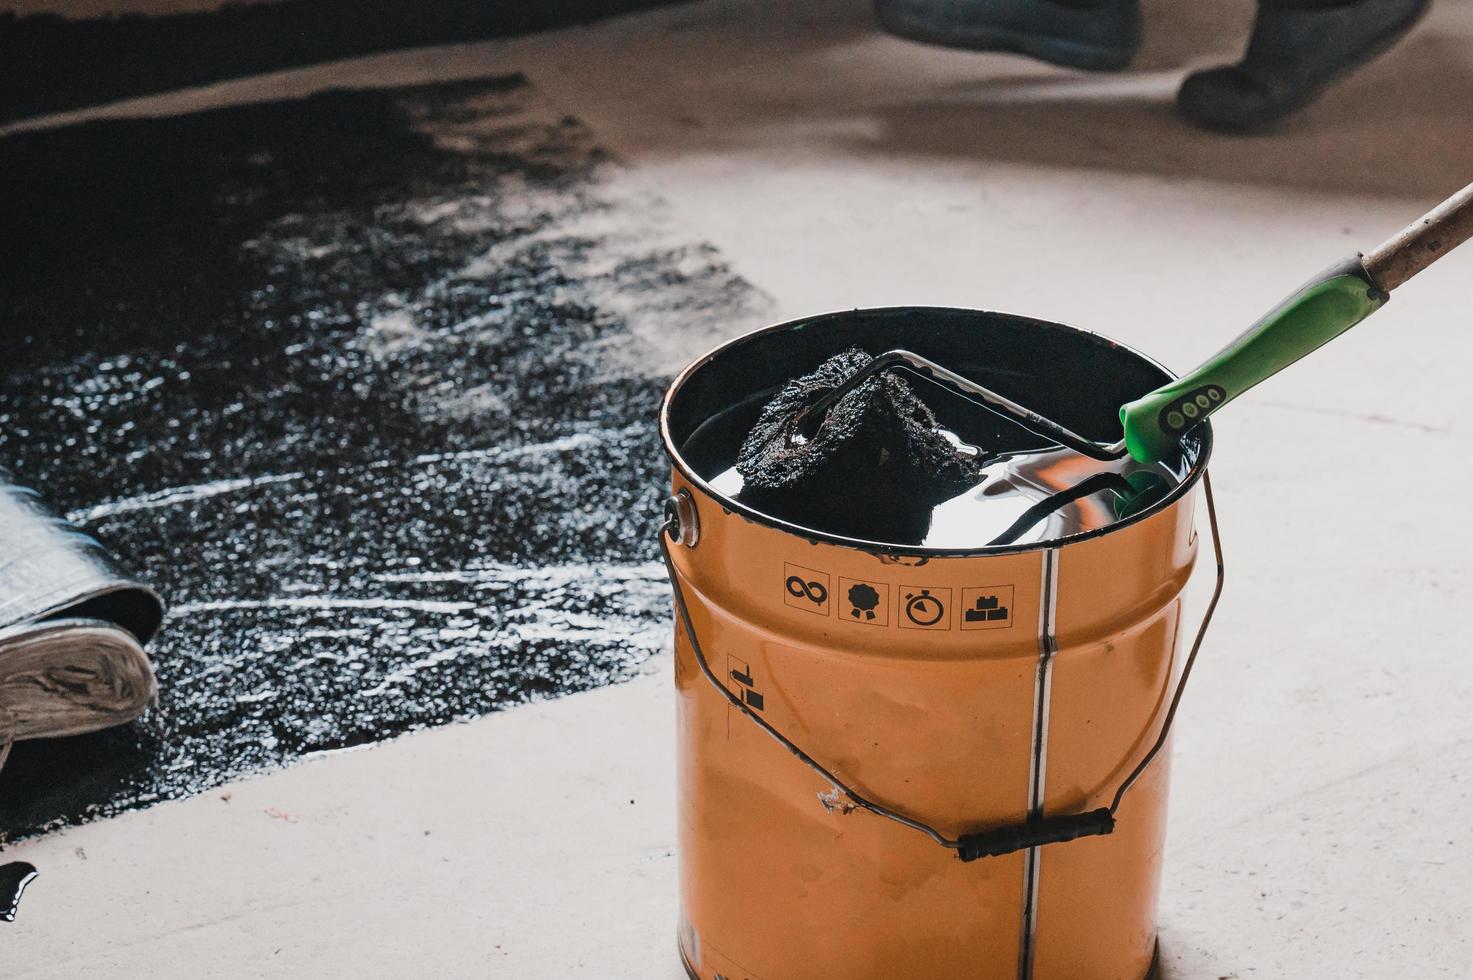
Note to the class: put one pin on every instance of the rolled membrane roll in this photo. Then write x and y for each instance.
(72, 628)
(71, 676)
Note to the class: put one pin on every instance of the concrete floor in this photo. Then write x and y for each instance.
(1319, 825)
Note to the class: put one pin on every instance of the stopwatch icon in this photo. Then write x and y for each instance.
(923, 609)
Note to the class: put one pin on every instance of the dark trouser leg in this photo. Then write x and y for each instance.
(1092, 34)
(1307, 4)
(1297, 49)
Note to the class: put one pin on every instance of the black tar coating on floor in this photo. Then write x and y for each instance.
(50, 63)
(878, 446)
(335, 377)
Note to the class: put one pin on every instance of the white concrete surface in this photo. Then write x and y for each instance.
(534, 843)
(1320, 823)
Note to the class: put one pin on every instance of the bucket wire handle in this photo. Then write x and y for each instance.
(1186, 671)
(671, 529)
(989, 843)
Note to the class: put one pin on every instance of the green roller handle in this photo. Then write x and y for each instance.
(1320, 311)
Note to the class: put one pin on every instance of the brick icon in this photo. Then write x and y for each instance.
(989, 607)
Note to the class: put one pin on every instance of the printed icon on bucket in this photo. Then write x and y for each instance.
(864, 602)
(746, 688)
(987, 608)
(921, 608)
(806, 589)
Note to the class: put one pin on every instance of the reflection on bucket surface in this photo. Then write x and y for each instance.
(1030, 496)
(987, 699)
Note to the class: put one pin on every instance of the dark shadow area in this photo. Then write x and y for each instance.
(49, 63)
(48, 777)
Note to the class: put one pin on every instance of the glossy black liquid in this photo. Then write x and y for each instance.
(14, 877)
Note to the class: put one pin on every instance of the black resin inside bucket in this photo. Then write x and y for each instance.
(880, 441)
(1077, 378)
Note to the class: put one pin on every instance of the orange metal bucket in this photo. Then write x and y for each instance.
(1008, 706)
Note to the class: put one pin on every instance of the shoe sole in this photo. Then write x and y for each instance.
(1054, 50)
(1370, 53)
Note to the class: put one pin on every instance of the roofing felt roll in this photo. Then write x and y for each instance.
(72, 627)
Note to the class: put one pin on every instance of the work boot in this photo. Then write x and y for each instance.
(1100, 35)
(1297, 49)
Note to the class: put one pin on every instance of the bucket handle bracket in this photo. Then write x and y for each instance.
(997, 841)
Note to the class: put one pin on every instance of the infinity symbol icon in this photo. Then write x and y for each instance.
(814, 592)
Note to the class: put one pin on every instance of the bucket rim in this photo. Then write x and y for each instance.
(731, 505)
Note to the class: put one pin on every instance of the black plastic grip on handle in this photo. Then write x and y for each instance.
(1035, 833)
